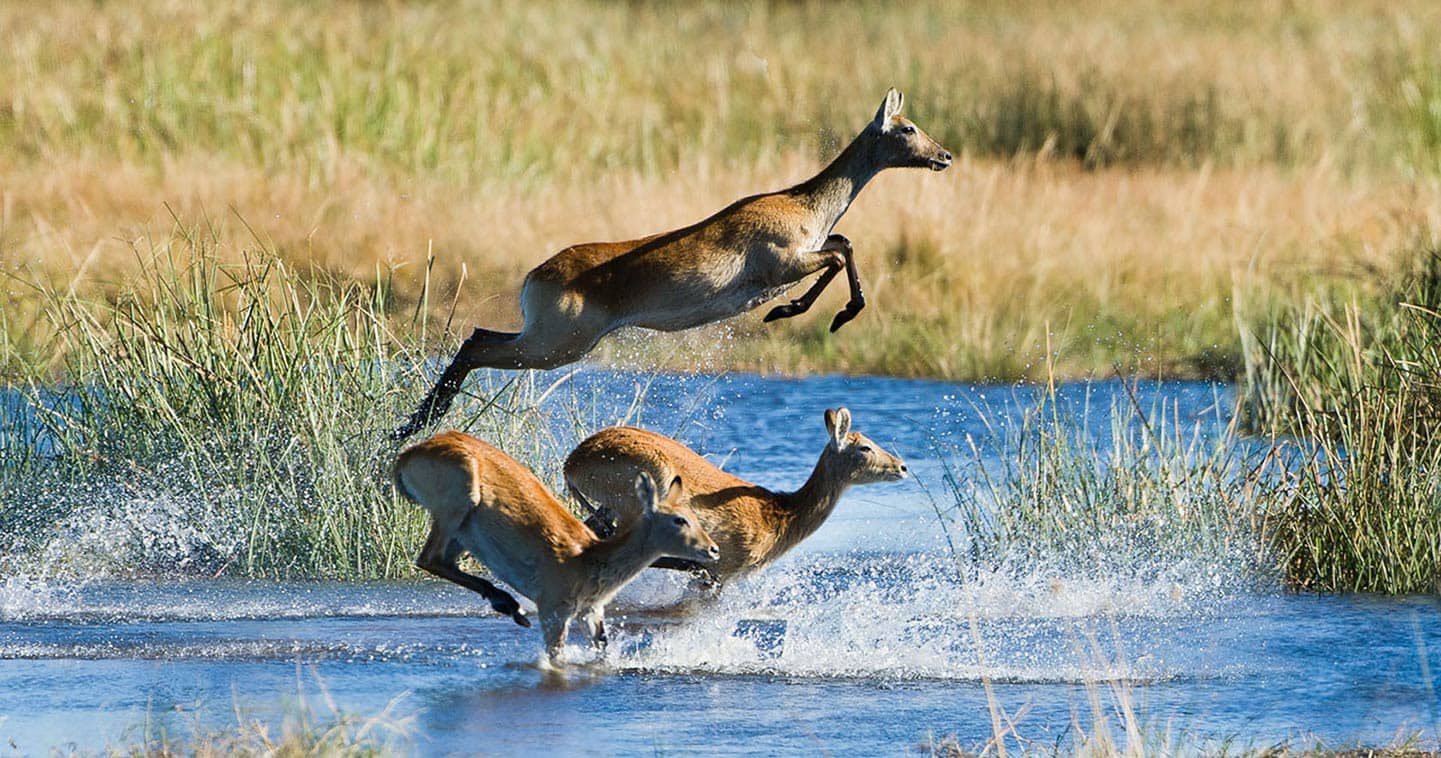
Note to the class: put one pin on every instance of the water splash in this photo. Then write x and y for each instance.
(917, 617)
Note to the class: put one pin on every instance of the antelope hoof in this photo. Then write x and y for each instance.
(431, 408)
(784, 311)
(506, 606)
(839, 241)
(851, 311)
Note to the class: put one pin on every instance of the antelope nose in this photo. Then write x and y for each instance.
(946, 156)
(713, 552)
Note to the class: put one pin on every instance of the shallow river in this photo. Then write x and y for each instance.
(868, 638)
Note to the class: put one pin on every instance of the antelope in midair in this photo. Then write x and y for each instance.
(484, 501)
(753, 525)
(746, 254)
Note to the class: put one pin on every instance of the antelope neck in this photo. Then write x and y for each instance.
(831, 192)
(813, 502)
(615, 560)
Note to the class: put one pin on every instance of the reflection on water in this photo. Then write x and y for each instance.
(867, 638)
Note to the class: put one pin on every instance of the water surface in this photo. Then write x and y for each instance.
(868, 638)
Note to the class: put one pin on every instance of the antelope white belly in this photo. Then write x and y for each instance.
(506, 562)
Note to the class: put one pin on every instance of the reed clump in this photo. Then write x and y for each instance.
(1131, 492)
(222, 418)
(1354, 385)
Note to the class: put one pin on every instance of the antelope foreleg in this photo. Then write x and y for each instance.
(595, 622)
(858, 298)
(803, 303)
(699, 571)
(602, 520)
(831, 263)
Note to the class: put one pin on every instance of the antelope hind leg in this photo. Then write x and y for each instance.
(438, 557)
(438, 400)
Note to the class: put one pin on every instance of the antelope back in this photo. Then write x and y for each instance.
(454, 474)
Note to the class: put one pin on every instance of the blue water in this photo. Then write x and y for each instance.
(871, 637)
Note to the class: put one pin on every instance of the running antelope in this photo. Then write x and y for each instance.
(482, 500)
(743, 256)
(753, 525)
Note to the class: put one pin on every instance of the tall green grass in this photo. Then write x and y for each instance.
(228, 419)
(1356, 384)
(1146, 495)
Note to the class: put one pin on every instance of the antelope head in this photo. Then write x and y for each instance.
(902, 144)
(856, 458)
(674, 529)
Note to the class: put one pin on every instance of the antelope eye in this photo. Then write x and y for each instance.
(681, 521)
(907, 129)
(864, 448)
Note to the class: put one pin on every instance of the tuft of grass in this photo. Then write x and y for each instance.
(302, 730)
(1145, 494)
(1359, 383)
(226, 419)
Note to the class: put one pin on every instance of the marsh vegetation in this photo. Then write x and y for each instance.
(236, 238)
(229, 253)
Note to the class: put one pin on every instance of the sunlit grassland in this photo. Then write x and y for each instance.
(1134, 177)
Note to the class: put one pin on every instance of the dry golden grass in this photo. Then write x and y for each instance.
(1131, 174)
(966, 271)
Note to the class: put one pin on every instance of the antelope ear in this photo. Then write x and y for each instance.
(645, 491)
(838, 423)
(676, 488)
(889, 108)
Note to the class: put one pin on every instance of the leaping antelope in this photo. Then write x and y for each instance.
(743, 256)
(753, 525)
(482, 500)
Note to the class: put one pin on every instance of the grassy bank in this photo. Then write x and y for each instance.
(1132, 177)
